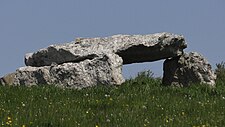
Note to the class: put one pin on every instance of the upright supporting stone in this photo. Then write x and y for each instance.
(188, 69)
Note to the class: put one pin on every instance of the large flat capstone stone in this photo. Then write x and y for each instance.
(132, 49)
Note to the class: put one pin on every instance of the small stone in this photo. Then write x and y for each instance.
(7, 79)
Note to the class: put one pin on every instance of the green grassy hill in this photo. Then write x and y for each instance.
(141, 101)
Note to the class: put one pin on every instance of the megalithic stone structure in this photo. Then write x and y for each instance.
(87, 62)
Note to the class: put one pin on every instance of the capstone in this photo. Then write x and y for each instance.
(132, 49)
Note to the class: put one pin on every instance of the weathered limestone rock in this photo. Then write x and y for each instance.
(91, 61)
(7, 79)
(102, 69)
(132, 49)
(187, 69)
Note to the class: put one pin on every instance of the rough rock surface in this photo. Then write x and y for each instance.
(7, 79)
(132, 49)
(187, 69)
(91, 61)
(102, 69)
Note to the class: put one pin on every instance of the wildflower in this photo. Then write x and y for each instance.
(8, 118)
(146, 120)
(9, 121)
(108, 120)
(110, 99)
(144, 107)
(167, 120)
(23, 104)
(182, 113)
(199, 126)
(96, 126)
(23, 125)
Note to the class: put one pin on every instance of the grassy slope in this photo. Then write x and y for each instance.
(138, 102)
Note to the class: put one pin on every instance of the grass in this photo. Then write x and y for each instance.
(142, 101)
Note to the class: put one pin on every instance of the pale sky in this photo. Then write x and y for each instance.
(26, 26)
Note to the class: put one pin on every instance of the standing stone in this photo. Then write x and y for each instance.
(188, 69)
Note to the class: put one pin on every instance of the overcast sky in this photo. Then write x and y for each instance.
(28, 25)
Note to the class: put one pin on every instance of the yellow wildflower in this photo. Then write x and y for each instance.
(167, 120)
(182, 113)
(9, 121)
(9, 118)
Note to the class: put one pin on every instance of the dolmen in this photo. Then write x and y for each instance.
(87, 62)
